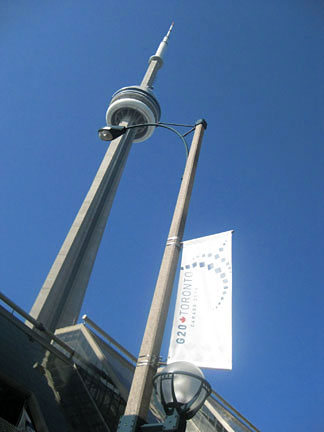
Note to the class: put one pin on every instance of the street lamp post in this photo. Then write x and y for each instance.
(141, 388)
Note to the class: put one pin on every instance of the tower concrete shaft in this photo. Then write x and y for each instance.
(60, 299)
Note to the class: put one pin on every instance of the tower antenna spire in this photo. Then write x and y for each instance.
(156, 61)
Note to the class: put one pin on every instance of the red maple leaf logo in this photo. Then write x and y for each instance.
(182, 319)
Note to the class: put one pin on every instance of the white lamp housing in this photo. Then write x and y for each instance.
(181, 386)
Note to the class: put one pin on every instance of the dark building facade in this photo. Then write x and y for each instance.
(77, 380)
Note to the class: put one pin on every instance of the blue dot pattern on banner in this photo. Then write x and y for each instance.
(214, 262)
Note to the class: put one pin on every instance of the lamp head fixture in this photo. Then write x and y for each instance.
(110, 132)
(181, 387)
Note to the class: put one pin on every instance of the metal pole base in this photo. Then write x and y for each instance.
(132, 423)
(174, 423)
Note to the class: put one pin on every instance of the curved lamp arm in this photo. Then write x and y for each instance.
(166, 127)
(110, 132)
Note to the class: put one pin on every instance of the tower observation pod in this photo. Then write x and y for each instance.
(60, 299)
(137, 104)
(134, 105)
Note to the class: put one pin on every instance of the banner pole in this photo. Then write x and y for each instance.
(141, 390)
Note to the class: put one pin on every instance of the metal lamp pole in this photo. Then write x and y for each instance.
(141, 389)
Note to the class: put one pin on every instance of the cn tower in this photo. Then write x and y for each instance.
(60, 299)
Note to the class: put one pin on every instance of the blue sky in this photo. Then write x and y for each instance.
(254, 70)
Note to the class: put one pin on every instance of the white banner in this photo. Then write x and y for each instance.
(202, 323)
